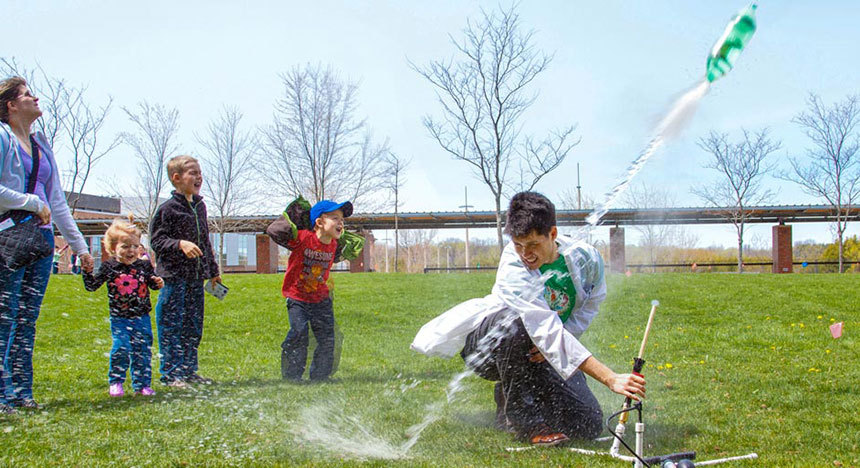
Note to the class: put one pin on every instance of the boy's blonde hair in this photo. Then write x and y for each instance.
(119, 228)
(176, 165)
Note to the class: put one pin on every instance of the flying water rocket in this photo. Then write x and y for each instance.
(722, 58)
(728, 47)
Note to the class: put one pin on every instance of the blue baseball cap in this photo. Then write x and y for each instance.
(327, 206)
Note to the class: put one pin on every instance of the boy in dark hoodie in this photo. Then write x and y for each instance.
(184, 258)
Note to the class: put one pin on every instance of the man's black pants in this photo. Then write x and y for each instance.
(529, 394)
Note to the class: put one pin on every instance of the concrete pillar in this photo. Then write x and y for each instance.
(617, 261)
(365, 259)
(781, 249)
(267, 254)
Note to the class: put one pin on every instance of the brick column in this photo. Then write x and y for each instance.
(617, 262)
(781, 249)
(267, 254)
(365, 260)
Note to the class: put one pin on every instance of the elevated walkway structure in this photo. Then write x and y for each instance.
(780, 216)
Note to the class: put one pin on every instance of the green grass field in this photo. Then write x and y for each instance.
(736, 364)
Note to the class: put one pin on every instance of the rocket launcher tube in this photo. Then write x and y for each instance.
(639, 362)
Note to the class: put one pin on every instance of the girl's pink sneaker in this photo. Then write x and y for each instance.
(145, 391)
(116, 390)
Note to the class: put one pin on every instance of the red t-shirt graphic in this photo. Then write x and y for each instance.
(308, 267)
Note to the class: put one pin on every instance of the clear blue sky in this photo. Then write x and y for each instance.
(617, 66)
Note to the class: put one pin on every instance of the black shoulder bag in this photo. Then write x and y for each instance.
(21, 240)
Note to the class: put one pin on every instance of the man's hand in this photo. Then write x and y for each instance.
(217, 279)
(629, 385)
(87, 262)
(190, 249)
(44, 215)
(159, 282)
(535, 355)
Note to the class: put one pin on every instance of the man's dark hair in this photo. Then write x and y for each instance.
(529, 211)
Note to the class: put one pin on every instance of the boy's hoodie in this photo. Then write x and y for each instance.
(175, 220)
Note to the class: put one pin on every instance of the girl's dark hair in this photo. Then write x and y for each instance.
(10, 89)
(529, 211)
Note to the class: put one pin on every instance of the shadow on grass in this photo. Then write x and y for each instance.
(162, 396)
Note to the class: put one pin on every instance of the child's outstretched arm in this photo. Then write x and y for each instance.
(152, 281)
(283, 231)
(93, 282)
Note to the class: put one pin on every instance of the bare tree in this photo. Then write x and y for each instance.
(832, 170)
(483, 95)
(568, 199)
(417, 243)
(53, 95)
(742, 166)
(395, 166)
(83, 124)
(316, 145)
(153, 142)
(228, 167)
(67, 116)
(653, 236)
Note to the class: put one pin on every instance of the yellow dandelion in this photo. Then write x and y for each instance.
(773, 348)
(668, 365)
(612, 346)
(832, 319)
(767, 318)
(801, 325)
(626, 337)
(701, 362)
(659, 367)
(819, 317)
(793, 324)
(811, 369)
(827, 351)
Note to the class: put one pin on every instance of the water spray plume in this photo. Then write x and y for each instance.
(728, 47)
(720, 61)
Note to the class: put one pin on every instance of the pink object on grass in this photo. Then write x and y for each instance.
(836, 330)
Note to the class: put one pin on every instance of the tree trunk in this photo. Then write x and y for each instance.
(741, 248)
(499, 223)
(839, 233)
(221, 250)
(396, 234)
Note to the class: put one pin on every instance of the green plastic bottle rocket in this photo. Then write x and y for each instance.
(727, 49)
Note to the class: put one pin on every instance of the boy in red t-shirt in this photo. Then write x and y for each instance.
(308, 299)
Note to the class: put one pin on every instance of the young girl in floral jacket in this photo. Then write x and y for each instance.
(128, 282)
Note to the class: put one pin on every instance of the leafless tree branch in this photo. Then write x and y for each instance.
(483, 95)
(742, 166)
(831, 170)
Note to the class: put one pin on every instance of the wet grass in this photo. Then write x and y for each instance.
(736, 364)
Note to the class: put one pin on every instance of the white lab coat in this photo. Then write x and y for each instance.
(521, 290)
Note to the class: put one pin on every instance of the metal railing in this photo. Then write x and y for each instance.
(639, 266)
(466, 269)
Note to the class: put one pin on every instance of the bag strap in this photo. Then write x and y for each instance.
(34, 174)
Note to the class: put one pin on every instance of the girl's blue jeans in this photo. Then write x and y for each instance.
(132, 345)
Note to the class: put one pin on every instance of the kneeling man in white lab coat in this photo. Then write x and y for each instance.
(525, 334)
